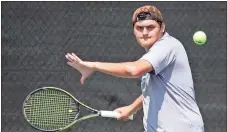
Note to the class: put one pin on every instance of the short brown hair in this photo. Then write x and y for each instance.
(152, 11)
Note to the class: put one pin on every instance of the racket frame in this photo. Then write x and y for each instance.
(96, 112)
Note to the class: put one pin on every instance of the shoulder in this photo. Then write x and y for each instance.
(168, 42)
(167, 38)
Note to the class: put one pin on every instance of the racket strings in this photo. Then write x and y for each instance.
(51, 109)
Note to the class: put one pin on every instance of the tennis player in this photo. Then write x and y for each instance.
(168, 96)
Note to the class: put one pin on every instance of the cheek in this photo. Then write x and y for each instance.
(154, 33)
(137, 34)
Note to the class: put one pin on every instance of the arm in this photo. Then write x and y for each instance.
(137, 104)
(126, 111)
(125, 70)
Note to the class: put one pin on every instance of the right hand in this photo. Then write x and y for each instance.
(125, 112)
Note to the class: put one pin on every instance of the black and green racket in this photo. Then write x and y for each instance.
(54, 109)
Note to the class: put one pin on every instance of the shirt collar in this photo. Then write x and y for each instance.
(163, 37)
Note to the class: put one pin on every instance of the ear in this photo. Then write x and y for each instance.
(163, 27)
(134, 31)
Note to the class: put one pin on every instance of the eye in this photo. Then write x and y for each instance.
(150, 27)
(139, 28)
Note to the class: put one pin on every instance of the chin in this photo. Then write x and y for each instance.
(146, 44)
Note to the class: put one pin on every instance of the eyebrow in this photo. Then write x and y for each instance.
(151, 25)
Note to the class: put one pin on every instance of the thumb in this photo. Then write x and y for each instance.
(82, 79)
(118, 110)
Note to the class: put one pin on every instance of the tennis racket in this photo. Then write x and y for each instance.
(54, 109)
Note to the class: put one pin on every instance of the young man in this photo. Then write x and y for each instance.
(168, 97)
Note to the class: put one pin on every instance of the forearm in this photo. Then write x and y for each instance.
(137, 104)
(124, 70)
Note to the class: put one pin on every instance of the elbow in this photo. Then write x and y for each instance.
(134, 72)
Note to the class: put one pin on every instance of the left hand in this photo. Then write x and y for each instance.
(124, 112)
(85, 68)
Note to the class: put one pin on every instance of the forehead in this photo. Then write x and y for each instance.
(145, 23)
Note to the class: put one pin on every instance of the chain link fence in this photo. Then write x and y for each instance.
(35, 36)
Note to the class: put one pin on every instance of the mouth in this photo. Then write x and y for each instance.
(146, 38)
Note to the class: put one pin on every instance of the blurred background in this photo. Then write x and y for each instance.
(35, 36)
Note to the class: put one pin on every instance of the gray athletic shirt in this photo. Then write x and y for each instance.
(168, 95)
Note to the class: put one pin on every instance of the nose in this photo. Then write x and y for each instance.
(145, 32)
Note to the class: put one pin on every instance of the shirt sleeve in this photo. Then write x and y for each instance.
(160, 55)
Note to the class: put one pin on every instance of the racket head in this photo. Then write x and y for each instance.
(50, 109)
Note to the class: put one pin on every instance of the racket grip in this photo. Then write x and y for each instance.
(112, 114)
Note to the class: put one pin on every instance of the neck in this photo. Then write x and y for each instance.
(146, 49)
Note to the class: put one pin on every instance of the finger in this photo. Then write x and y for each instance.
(66, 56)
(69, 57)
(70, 63)
(74, 55)
(123, 118)
(120, 118)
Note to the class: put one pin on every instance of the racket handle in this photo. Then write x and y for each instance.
(112, 114)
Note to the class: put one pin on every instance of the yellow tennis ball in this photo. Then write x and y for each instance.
(200, 37)
(70, 111)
